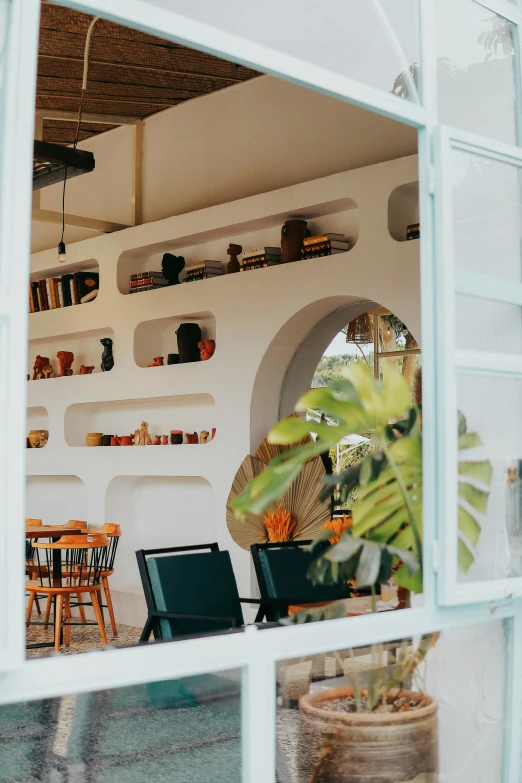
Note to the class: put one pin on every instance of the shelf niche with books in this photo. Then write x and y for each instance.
(64, 286)
(186, 412)
(403, 212)
(158, 337)
(340, 216)
(85, 346)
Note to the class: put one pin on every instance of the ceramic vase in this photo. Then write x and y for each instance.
(292, 235)
(38, 438)
(94, 438)
(176, 437)
(189, 335)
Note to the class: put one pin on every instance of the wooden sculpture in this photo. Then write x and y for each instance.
(141, 436)
(157, 362)
(65, 360)
(86, 370)
(233, 265)
(39, 362)
(206, 349)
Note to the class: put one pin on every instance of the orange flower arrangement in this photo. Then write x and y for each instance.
(337, 526)
(279, 525)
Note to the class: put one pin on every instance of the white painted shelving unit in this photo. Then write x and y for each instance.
(175, 495)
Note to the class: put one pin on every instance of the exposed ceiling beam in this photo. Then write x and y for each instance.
(109, 99)
(93, 224)
(97, 119)
(139, 67)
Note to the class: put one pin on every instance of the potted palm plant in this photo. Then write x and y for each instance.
(381, 733)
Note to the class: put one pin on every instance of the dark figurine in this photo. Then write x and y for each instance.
(189, 335)
(233, 265)
(107, 360)
(171, 267)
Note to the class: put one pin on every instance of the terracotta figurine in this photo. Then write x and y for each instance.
(156, 441)
(172, 266)
(203, 437)
(65, 360)
(157, 362)
(206, 349)
(213, 433)
(47, 371)
(191, 437)
(164, 440)
(233, 265)
(292, 235)
(39, 362)
(107, 360)
(141, 436)
(86, 370)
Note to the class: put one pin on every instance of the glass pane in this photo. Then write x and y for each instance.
(476, 69)
(493, 409)
(172, 731)
(457, 693)
(487, 225)
(376, 43)
(483, 325)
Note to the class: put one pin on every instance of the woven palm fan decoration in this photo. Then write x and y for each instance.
(299, 514)
(360, 330)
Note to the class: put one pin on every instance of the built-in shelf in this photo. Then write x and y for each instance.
(339, 215)
(84, 345)
(69, 268)
(403, 210)
(158, 337)
(37, 418)
(190, 413)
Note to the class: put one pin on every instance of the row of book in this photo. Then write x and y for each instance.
(64, 291)
(325, 245)
(146, 281)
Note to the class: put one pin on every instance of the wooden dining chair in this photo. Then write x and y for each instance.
(29, 552)
(113, 533)
(84, 559)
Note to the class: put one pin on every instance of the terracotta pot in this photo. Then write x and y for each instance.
(176, 437)
(125, 440)
(107, 440)
(38, 438)
(94, 438)
(292, 235)
(164, 440)
(156, 441)
(369, 747)
(115, 440)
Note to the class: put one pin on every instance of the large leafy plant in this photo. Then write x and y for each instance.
(387, 516)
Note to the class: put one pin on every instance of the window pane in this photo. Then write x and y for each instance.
(175, 731)
(487, 211)
(476, 69)
(460, 682)
(483, 325)
(375, 43)
(493, 409)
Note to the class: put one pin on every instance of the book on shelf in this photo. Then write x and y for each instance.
(204, 271)
(330, 237)
(152, 274)
(148, 281)
(257, 263)
(50, 293)
(262, 251)
(322, 249)
(413, 231)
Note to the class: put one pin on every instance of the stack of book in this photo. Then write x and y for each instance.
(146, 281)
(260, 258)
(325, 245)
(203, 271)
(413, 231)
(63, 291)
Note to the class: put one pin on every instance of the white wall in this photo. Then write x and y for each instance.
(251, 138)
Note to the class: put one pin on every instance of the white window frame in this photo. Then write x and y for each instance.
(254, 651)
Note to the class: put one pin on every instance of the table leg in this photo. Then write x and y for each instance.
(57, 580)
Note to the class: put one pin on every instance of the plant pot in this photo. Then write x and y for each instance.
(292, 235)
(362, 747)
(94, 438)
(38, 438)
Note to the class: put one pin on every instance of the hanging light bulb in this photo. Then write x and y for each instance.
(61, 252)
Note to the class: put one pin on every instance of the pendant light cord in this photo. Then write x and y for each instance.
(80, 110)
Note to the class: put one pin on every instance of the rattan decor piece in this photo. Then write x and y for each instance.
(267, 451)
(301, 500)
(360, 330)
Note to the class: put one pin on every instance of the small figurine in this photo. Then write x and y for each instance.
(86, 370)
(65, 360)
(203, 437)
(157, 362)
(39, 362)
(213, 433)
(47, 371)
(164, 440)
(156, 441)
(172, 266)
(107, 360)
(141, 436)
(233, 265)
(206, 349)
(191, 437)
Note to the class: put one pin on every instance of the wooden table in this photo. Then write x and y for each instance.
(54, 532)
